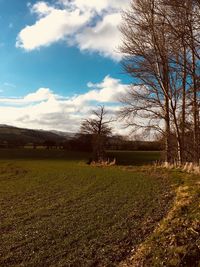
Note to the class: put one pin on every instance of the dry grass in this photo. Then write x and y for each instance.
(176, 240)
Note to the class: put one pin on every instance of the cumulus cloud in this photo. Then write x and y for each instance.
(41, 94)
(104, 37)
(41, 9)
(91, 25)
(53, 25)
(108, 91)
(43, 109)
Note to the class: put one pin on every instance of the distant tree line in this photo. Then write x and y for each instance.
(84, 142)
(161, 48)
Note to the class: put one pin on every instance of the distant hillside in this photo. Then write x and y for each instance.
(64, 134)
(13, 135)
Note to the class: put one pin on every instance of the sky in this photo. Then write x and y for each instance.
(59, 60)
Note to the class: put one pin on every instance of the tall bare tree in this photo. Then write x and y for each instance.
(161, 53)
(147, 55)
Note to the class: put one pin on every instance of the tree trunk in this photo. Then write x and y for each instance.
(195, 110)
(184, 81)
(167, 131)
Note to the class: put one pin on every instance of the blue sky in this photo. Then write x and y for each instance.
(59, 59)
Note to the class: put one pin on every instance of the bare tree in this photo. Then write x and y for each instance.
(147, 60)
(161, 53)
(99, 128)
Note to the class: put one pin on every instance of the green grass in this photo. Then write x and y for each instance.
(58, 211)
(42, 154)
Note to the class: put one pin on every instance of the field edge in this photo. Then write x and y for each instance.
(176, 239)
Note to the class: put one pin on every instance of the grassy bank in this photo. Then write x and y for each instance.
(176, 240)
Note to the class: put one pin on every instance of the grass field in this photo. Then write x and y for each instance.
(56, 210)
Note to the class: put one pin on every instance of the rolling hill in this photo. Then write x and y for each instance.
(15, 135)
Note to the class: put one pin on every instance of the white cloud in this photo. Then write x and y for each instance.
(109, 90)
(41, 8)
(41, 94)
(90, 25)
(54, 25)
(96, 5)
(104, 37)
(44, 109)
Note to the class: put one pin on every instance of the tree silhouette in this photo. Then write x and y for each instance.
(98, 126)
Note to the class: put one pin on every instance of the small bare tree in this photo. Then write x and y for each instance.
(99, 128)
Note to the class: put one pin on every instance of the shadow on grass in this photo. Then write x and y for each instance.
(125, 158)
(136, 158)
(35, 154)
